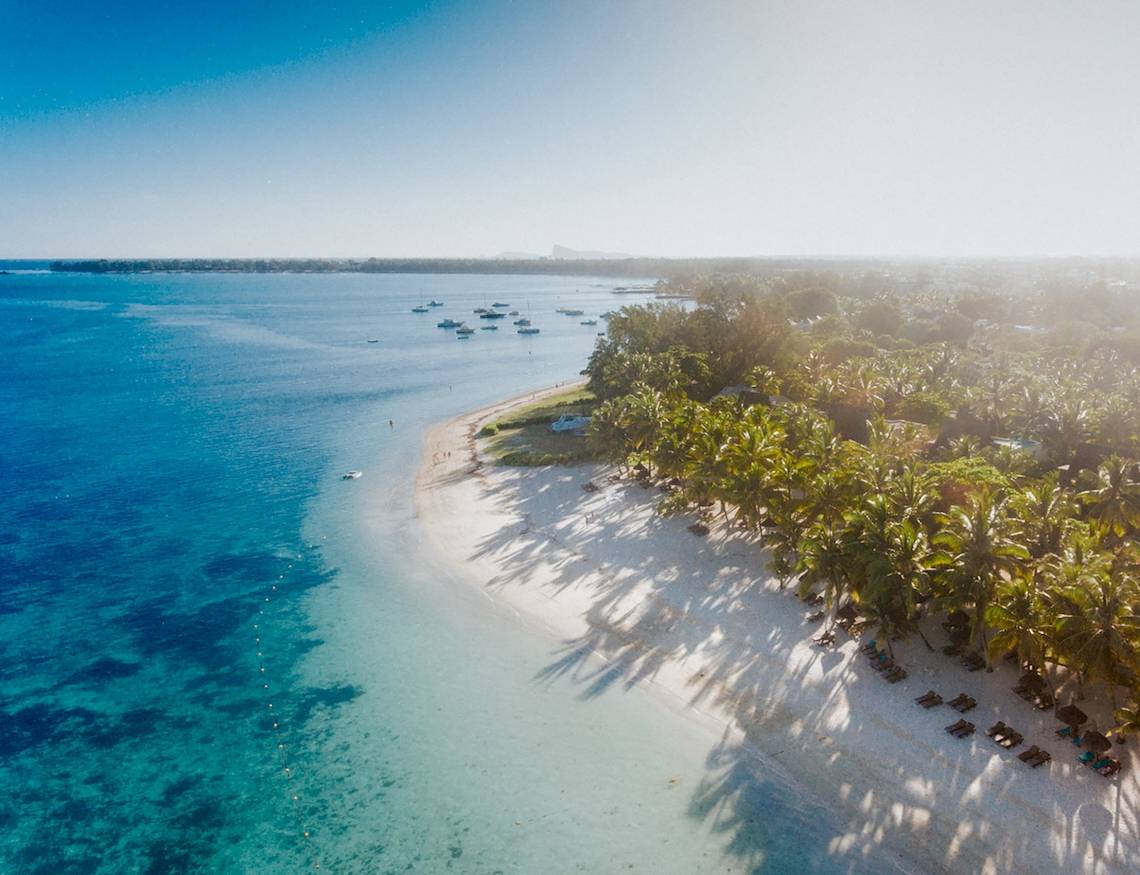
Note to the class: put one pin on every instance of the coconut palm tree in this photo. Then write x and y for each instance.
(1018, 622)
(824, 558)
(1098, 626)
(1067, 428)
(978, 550)
(1128, 719)
(606, 433)
(1114, 503)
(1040, 513)
(749, 452)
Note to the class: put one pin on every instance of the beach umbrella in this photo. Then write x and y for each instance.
(1032, 680)
(1072, 715)
(1096, 742)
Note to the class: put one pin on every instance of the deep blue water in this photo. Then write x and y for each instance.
(216, 656)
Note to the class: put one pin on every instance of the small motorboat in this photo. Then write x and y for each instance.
(523, 322)
(351, 475)
(492, 315)
(419, 309)
(464, 331)
(434, 303)
(480, 310)
(589, 322)
(513, 313)
(488, 327)
(448, 323)
(528, 331)
(574, 312)
(500, 305)
(373, 340)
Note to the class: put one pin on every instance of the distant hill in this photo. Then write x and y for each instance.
(566, 254)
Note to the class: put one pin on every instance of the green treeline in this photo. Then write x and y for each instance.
(968, 456)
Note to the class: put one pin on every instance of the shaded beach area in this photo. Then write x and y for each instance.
(632, 598)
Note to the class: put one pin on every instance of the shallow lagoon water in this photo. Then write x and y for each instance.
(179, 554)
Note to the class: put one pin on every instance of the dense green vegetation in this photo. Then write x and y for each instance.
(525, 439)
(864, 439)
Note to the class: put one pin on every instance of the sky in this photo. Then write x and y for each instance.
(655, 127)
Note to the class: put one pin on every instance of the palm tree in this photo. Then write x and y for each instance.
(673, 446)
(644, 411)
(978, 551)
(912, 494)
(748, 460)
(1098, 626)
(1114, 504)
(606, 434)
(1040, 513)
(824, 558)
(1066, 430)
(1128, 719)
(1018, 622)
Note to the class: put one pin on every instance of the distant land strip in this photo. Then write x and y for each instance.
(632, 267)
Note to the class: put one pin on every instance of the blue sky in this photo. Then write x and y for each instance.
(647, 126)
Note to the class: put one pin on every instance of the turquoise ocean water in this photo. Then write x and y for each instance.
(216, 656)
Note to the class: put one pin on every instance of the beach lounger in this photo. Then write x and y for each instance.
(895, 675)
(1064, 731)
(957, 700)
(955, 726)
(1009, 742)
(929, 694)
(1040, 759)
(930, 703)
(1027, 755)
(966, 730)
(816, 617)
(1111, 769)
(973, 662)
(997, 729)
(825, 640)
(1045, 702)
(967, 704)
(868, 648)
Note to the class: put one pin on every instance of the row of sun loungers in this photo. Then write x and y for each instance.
(886, 666)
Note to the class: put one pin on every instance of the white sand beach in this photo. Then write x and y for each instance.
(633, 598)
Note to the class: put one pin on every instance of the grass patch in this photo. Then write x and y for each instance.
(524, 438)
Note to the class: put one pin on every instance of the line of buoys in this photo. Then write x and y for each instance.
(282, 752)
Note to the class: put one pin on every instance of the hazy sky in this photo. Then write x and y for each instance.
(156, 128)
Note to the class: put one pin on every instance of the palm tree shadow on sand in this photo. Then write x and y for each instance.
(649, 608)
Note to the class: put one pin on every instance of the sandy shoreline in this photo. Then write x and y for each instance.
(702, 623)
